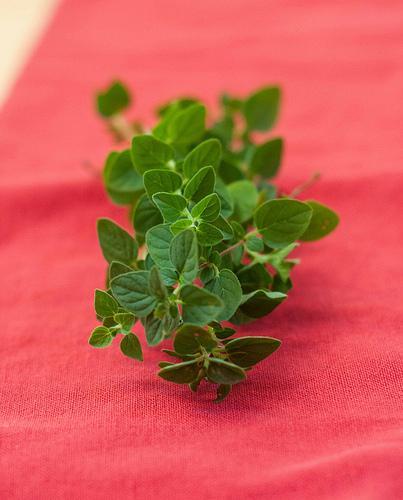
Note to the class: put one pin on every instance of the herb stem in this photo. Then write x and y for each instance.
(305, 185)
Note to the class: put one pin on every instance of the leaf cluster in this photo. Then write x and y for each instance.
(211, 236)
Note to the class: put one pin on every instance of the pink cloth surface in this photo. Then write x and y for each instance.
(321, 418)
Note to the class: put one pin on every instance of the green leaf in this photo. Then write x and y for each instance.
(126, 321)
(169, 276)
(226, 286)
(146, 215)
(123, 184)
(199, 306)
(224, 227)
(104, 304)
(154, 330)
(100, 337)
(181, 373)
(253, 277)
(158, 241)
(207, 153)
(180, 225)
(149, 153)
(207, 209)
(257, 304)
(248, 351)
(223, 372)
(323, 222)
(157, 181)
(255, 244)
(113, 100)
(277, 260)
(184, 254)
(261, 108)
(266, 158)
(227, 205)
(117, 268)
(156, 285)
(115, 242)
(223, 129)
(131, 290)
(200, 185)
(171, 206)
(131, 347)
(208, 235)
(190, 338)
(222, 392)
(245, 196)
(283, 221)
(187, 126)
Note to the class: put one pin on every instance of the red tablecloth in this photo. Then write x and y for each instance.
(321, 418)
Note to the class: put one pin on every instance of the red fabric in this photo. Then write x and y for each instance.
(322, 417)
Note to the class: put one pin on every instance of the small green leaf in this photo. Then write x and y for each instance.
(254, 276)
(257, 304)
(226, 286)
(222, 392)
(115, 242)
(126, 321)
(205, 154)
(122, 182)
(248, 351)
(255, 244)
(149, 153)
(190, 338)
(100, 337)
(156, 285)
(180, 225)
(199, 306)
(157, 181)
(245, 196)
(224, 227)
(323, 222)
(276, 259)
(187, 126)
(207, 209)
(208, 235)
(117, 268)
(227, 205)
(131, 290)
(169, 276)
(131, 347)
(104, 304)
(158, 241)
(181, 373)
(113, 100)
(282, 221)
(266, 158)
(223, 372)
(200, 185)
(184, 254)
(146, 215)
(154, 330)
(261, 108)
(171, 206)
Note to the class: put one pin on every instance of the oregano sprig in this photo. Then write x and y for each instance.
(211, 239)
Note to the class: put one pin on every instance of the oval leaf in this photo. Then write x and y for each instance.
(227, 287)
(281, 222)
(248, 351)
(130, 346)
(223, 372)
(131, 290)
(181, 373)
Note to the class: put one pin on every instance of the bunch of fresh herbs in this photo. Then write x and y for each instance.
(212, 235)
